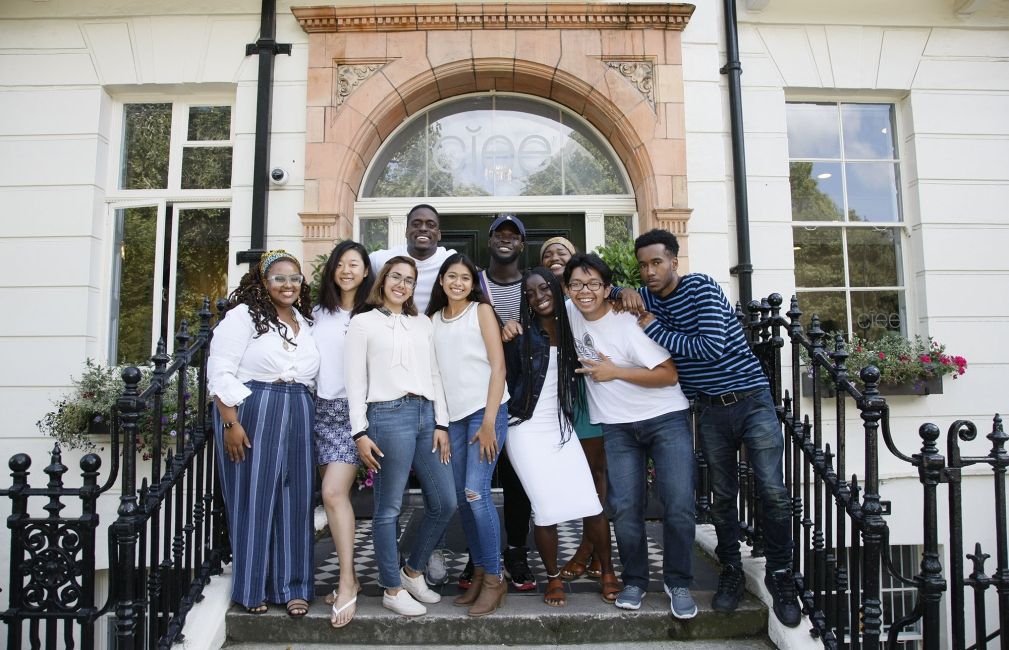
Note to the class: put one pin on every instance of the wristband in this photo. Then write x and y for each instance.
(357, 436)
(228, 425)
(440, 427)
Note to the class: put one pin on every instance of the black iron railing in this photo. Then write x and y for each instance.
(842, 539)
(169, 536)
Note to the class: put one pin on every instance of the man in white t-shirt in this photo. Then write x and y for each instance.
(633, 392)
(423, 232)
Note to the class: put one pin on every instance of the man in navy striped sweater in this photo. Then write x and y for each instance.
(691, 317)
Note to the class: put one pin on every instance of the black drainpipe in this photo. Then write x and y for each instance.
(732, 68)
(267, 47)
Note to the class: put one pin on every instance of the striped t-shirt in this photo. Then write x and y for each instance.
(505, 298)
(698, 326)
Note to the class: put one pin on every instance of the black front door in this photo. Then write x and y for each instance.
(468, 234)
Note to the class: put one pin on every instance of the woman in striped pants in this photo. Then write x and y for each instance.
(263, 363)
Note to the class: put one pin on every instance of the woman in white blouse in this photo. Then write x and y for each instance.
(262, 368)
(399, 419)
(346, 281)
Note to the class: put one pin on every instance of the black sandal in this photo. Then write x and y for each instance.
(257, 609)
(297, 607)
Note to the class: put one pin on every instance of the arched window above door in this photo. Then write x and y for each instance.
(495, 145)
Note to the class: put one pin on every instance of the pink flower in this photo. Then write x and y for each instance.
(925, 358)
(368, 482)
(882, 356)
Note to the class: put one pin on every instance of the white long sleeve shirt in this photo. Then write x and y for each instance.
(387, 357)
(237, 355)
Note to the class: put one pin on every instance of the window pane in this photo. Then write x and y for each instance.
(818, 257)
(136, 283)
(816, 191)
(374, 234)
(209, 123)
(617, 228)
(202, 264)
(147, 131)
(877, 312)
(813, 131)
(206, 168)
(868, 131)
(500, 146)
(828, 305)
(874, 257)
(872, 192)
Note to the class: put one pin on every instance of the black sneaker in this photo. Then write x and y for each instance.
(466, 577)
(731, 583)
(516, 569)
(786, 601)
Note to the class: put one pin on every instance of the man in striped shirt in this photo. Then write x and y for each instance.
(691, 317)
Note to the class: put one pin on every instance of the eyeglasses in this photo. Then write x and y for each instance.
(396, 278)
(578, 285)
(297, 278)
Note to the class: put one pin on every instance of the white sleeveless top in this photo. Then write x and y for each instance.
(462, 358)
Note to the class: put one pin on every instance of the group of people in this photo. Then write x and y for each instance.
(415, 359)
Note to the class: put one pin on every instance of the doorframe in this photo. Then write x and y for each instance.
(596, 208)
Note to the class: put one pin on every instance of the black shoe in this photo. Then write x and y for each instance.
(516, 569)
(731, 584)
(786, 602)
(466, 577)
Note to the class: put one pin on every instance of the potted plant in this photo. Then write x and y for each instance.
(906, 366)
(87, 409)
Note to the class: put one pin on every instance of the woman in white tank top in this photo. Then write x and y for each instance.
(467, 342)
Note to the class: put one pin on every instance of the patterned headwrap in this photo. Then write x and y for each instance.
(566, 243)
(269, 257)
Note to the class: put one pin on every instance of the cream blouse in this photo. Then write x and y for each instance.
(387, 357)
(237, 355)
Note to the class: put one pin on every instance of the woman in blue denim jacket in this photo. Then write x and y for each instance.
(546, 397)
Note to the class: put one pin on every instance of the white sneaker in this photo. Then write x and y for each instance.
(437, 572)
(403, 604)
(418, 588)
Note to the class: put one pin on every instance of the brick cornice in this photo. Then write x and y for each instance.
(423, 17)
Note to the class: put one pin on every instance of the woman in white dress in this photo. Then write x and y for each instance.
(545, 396)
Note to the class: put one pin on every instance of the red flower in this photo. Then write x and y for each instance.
(925, 358)
(882, 356)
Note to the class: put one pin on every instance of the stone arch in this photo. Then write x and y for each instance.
(617, 66)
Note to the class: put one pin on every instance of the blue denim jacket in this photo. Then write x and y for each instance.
(525, 388)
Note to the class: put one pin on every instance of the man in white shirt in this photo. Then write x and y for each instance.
(423, 232)
(633, 392)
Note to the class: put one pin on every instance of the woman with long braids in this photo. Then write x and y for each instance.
(399, 419)
(262, 368)
(346, 281)
(554, 254)
(467, 342)
(546, 394)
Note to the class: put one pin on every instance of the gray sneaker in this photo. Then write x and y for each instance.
(630, 597)
(681, 602)
(437, 572)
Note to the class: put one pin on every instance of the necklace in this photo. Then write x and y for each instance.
(452, 319)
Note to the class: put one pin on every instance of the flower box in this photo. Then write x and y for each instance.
(932, 386)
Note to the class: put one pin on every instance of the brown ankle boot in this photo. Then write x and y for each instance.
(492, 595)
(468, 597)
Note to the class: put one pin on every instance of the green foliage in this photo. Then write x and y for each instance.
(899, 360)
(92, 397)
(318, 265)
(619, 256)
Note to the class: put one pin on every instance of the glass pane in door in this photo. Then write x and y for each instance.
(202, 262)
(138, 232)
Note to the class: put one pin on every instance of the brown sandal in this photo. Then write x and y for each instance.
(297, 607)
(609, 586)
(575, 568)
(555, 592)
(595, 570)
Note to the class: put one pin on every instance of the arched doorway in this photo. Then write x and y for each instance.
(479, 155)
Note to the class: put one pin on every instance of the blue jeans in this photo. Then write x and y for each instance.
(751, 422)
(403, 429)
(667, 440)
(472, 488)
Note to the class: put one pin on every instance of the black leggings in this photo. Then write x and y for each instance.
(517, 509)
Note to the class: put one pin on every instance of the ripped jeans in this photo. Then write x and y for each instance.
(472, 486)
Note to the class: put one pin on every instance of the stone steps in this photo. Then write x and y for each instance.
(524, 621)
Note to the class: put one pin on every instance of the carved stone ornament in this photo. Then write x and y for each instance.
(350, 76)
(640, 74)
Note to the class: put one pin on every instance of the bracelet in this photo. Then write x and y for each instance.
(439, 427)
(228, 425)
(357, 436)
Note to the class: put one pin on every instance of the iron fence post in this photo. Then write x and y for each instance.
(873, 525)
(124, 532)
